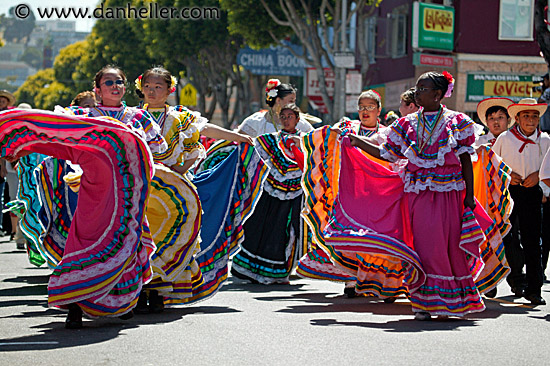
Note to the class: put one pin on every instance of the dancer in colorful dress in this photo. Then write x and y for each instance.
(53, 244)
(274, 235)
(317, 263)
(106, 254)
(189, 267)
(438, 181)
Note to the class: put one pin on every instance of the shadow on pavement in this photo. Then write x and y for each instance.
(25, 291)
(403, 325)
(40, 279)
(236, 284)
(54, 335)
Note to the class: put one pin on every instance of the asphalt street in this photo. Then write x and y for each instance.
(305, 323)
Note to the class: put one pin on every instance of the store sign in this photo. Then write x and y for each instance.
(422, 59)
(272, 61)
(433, 26)
(515, 87)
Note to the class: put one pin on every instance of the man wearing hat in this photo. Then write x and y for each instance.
(6, 100)
(523, 148)
(493, 113)
(545, 98)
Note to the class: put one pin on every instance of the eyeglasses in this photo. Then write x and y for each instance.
(422, 90)
(368, 108)
(111, 82)
(284, 118)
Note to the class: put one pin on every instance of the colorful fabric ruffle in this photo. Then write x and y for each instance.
(274, 235)
(228, 193)
(491, 181)
(106, 256)
(218, 152)
(320, 185)
(174, 214)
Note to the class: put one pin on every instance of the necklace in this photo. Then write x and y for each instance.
(424, 121)
(271, 119)
(163, 115)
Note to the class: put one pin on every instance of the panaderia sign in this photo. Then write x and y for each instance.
(433, 27)
(515, 87)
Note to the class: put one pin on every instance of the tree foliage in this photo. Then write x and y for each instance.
(42, 91)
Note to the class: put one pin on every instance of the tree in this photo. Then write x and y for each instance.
(14, 29)
(42, 91)
(32, 57)
(541, 29)
(66, 64)
(316, 24)
(205, 52)
(114, 42)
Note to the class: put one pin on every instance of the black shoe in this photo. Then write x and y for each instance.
(74, 318)
(518, 291)
(535, 299)
(492, 293)
(141, 306)
(156, 302)
(241, 276)
(128, 315)
(390, 300)
(350, 291)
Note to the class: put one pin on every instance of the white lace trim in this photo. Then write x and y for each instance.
(277, 193)
(266, 157)
(409, 153)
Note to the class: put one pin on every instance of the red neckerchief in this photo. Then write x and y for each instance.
(516, 132)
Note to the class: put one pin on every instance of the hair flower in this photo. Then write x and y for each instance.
(137, 82)
(272, 84)
(173, 84)
(451, 81)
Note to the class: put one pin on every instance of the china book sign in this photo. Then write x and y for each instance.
(433, 27)
(515, 87)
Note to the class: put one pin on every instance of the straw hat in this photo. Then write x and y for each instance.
(526, 104)
(485, 104)
(9, 96)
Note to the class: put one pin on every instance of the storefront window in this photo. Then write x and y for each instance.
(516, 20)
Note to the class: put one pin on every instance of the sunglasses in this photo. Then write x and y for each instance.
(422, 90)
(368, 108)
(111, 82)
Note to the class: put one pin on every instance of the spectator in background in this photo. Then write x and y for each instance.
(85, 99)
(7, 100)
(408, 103)
(545, 98)
(390, 117)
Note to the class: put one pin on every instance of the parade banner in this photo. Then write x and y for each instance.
(515, 87)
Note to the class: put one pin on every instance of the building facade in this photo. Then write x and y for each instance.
(489, 47)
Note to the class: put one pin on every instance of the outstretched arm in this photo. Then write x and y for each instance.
(366, 145)
(468, 175)
(220, 133)
(182, 169)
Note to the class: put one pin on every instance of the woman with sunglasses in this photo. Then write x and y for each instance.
(109, 85)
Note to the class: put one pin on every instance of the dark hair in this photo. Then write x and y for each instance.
(293, 107)
(439, 80)
(408, 97)
(370, 94)
(495, 109)
(104, 69)
(81, 96)
(282, 91)
(155, 71)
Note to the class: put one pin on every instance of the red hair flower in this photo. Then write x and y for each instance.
(272, 83)
(451, 81)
